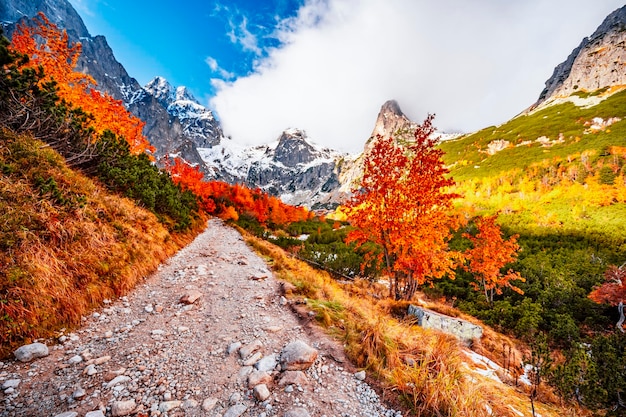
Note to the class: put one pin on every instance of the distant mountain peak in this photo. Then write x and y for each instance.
(161, 89)
(391, 121)
(596, 63)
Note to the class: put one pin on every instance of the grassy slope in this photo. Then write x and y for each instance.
(425, 369)
(65, 242)
(467, 153)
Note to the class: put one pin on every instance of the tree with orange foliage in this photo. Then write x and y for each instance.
(613, 291)
(489, 254)
(58, 58)
(403, 206)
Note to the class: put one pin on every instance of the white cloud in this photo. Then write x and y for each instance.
(214, 66)
(239, 34)
(472, 63)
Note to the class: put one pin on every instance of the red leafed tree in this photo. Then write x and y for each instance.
(403, 206)
(613, 290)
(49, 47)
(489, 254)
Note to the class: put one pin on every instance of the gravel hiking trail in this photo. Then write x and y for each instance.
(208, 334)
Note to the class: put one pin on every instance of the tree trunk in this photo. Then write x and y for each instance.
(620, 308)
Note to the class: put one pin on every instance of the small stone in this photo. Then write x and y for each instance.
(101, 360)
(293, 378)
(289, 388)
(261, 392)
(297, 356)
(282, 301)
(256, 378)
(190, 297)
(167, 396)
(108, 334)
(9, 391)
(158, 332)
(120, 379)
(235, 411)
(187, 404)
(297, 412)
(11, 383)
(68, 414)
(27, 353)
(166, 406)
(209, 403)
(79, 394)
(182, 329)
(75, 360)
(233, 347)
(273, 329)
(258, 277)
(250, 348)
(123, 408)
(253, 359)
(96, 413)
(360, 375)
(267, 363)
(148, 309)
(158, 309)
(234, 398)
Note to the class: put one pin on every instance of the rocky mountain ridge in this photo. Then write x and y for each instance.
(598, 62)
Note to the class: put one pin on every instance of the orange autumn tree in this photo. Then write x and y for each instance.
(229, 202)
(489, 254)
(612, 291)
(49, 48)
(403, 206)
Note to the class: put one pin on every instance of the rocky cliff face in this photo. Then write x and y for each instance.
(598, 62)
(165, 131)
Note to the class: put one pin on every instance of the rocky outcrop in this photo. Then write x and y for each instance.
(462, 329)
(598, 62)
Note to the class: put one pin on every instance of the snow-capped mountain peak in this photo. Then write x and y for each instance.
(161, 89)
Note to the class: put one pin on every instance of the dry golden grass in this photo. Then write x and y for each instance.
(426, 370)
(62, 252)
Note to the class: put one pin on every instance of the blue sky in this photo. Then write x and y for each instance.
(327, 66)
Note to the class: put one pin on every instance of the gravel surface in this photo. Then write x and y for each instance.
(201, 337)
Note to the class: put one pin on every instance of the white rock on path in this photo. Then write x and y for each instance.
(27, 353)
(297, 356)
(166, 406)
(235, 411)
(250, 348)
(261, 392)
(96, 413)
(209, 403)
(297, 412)
(123, 408)
(11, 383)
(267, 363)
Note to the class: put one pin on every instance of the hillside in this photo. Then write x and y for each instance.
(66, 242)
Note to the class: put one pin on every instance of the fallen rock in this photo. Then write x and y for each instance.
(257, 378)
(189, 403)
(96, 413)
(120, 379)
(11, 383)
(258, 277)
(261, 392)
(209, 404)
(235, 411)
(166, 406)
(68, 414)
(190, 297)
(27, 353)
(360, 375)
(297, 412)
(253, 359)
(293, 378)
(123, 408)
(233, 347)
(297, 356)
(267, 363)
(250, 348)
(79, 394)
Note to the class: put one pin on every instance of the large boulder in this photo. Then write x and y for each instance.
(462, 329)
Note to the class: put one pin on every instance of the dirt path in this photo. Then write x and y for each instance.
(149, 354)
